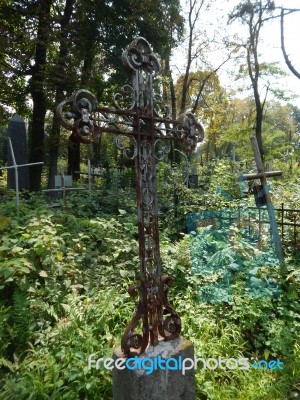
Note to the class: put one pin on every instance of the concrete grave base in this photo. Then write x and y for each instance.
(160, 384)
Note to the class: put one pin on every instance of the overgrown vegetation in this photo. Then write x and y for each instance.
(64, 276)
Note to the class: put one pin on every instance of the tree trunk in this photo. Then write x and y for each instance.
(73, 157)
(37, 139)
(171, 88)
(36, 88)
(53, 146)
(74, 146)
(254, 73)
(207, 151)
(61, 78)
(258, 123)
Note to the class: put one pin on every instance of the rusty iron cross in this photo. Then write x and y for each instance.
(143, 129)
(263, 192)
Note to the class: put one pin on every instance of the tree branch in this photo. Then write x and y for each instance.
(286, 58)
(206, 79)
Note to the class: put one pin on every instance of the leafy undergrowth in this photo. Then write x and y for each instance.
(63, 286)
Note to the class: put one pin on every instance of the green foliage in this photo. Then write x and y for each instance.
(257, 328)
(218, 187)
(63, 286)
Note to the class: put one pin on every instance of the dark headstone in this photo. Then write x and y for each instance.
(193, 181)
(17, 135)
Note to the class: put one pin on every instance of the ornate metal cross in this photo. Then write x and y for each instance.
(263, 192)
(143, 128)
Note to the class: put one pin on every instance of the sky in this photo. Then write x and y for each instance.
(270, 48)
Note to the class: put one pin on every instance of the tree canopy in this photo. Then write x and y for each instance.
(54, 47)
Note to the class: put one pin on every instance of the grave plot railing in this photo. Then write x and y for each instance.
(288, 221)
(253, 220)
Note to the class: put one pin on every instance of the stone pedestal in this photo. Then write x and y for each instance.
(160, 384)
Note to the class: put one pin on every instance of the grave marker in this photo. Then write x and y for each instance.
(143, 127)
(262, 193)
(63, 183)
(17, 140)
(16, 167)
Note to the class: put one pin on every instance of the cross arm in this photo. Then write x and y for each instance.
(22, 165)
(81, 114)
(260, 175)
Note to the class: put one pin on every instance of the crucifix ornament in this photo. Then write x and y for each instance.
(143, 128)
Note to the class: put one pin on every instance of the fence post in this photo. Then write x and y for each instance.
(282, 210)
(259, 223)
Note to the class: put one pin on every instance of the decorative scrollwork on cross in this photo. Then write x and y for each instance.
(143, 129)
(193, 131)
(139, 56)
(123, 143)
(125, 98)
(162, 148)
(74, 114)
